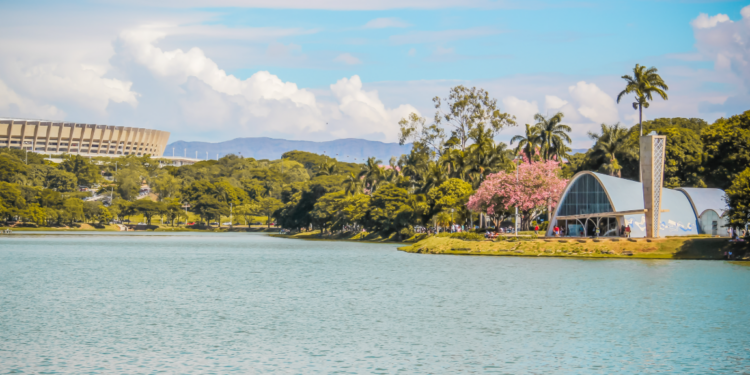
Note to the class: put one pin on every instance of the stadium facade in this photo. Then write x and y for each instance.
(54, 137)
(594, 201)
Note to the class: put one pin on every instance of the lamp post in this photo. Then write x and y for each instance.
(230, 216)
(452, 210)
(516, 221)
(185, 205)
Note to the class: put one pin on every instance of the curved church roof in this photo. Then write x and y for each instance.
(703, 199)
(627, 195)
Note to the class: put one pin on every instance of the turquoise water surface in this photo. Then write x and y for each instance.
(249, 303)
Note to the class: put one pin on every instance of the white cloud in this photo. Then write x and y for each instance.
(348, 59)
(725, 42)
(366, 108)
(262, 104)
(552, 102)
(703, 21)
(178, 65)
(13, 105)
(595, 104)
(382, 23)
(183, 90)
(522, 109)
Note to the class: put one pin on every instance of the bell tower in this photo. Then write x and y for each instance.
(652, 149)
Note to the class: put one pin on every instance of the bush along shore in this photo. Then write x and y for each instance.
(662, 248)
(349, 236)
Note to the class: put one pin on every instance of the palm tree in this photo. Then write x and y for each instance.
(644, 83)
(267, 188)
(457, 162)
(435, 175)
(327, 169)
(560, 152)
(372, 172)
(527, 144)
(485, 160)
(552, 134)
(352, 184)
(613, 140)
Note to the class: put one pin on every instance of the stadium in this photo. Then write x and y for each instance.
(54, 138)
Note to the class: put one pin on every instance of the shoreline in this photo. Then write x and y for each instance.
(368, 237)
(697, 248)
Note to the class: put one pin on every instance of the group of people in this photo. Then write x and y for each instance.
(558, 232)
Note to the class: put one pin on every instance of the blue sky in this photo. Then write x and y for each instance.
(320, 70)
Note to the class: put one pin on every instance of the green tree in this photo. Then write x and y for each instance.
(354, 208)
(61, 181)
(328, 168)
(268, 206)
(33, 213)
(208, 207)
(436, 174)
(725, 144)
(326, 209)
(10, 166)
(147, 208)
(91, 210)
(553, 136)
(468, 108)
(86, 172)
(389, 209)
(37, 174)
(527, 144)
(738, 198)
(430, 138)
(173, 210)
(352, 184)
(613, 141)
(105, 216)
(128, 183)
(695, 124)
(73, 210)
(372, 173)
(463, 112)
(248, 209)
(166, 186)
(645, 83)
(12, 198)
(198, 189)
(683, 166)
(451, 194)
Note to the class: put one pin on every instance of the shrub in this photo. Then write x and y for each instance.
(466, 236)
(406, 232)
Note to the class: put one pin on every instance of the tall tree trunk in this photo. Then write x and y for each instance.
(549, 212)
(640, 121)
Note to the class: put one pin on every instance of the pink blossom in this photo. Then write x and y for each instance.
(539, 184)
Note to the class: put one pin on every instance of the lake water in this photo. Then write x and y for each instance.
(249, 303)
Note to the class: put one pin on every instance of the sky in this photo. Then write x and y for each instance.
(329, 69)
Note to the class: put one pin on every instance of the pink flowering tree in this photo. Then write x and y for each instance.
(538, 189)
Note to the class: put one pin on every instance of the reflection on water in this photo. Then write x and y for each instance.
(248, 303)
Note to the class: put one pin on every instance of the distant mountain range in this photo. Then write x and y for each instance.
(349, 150)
